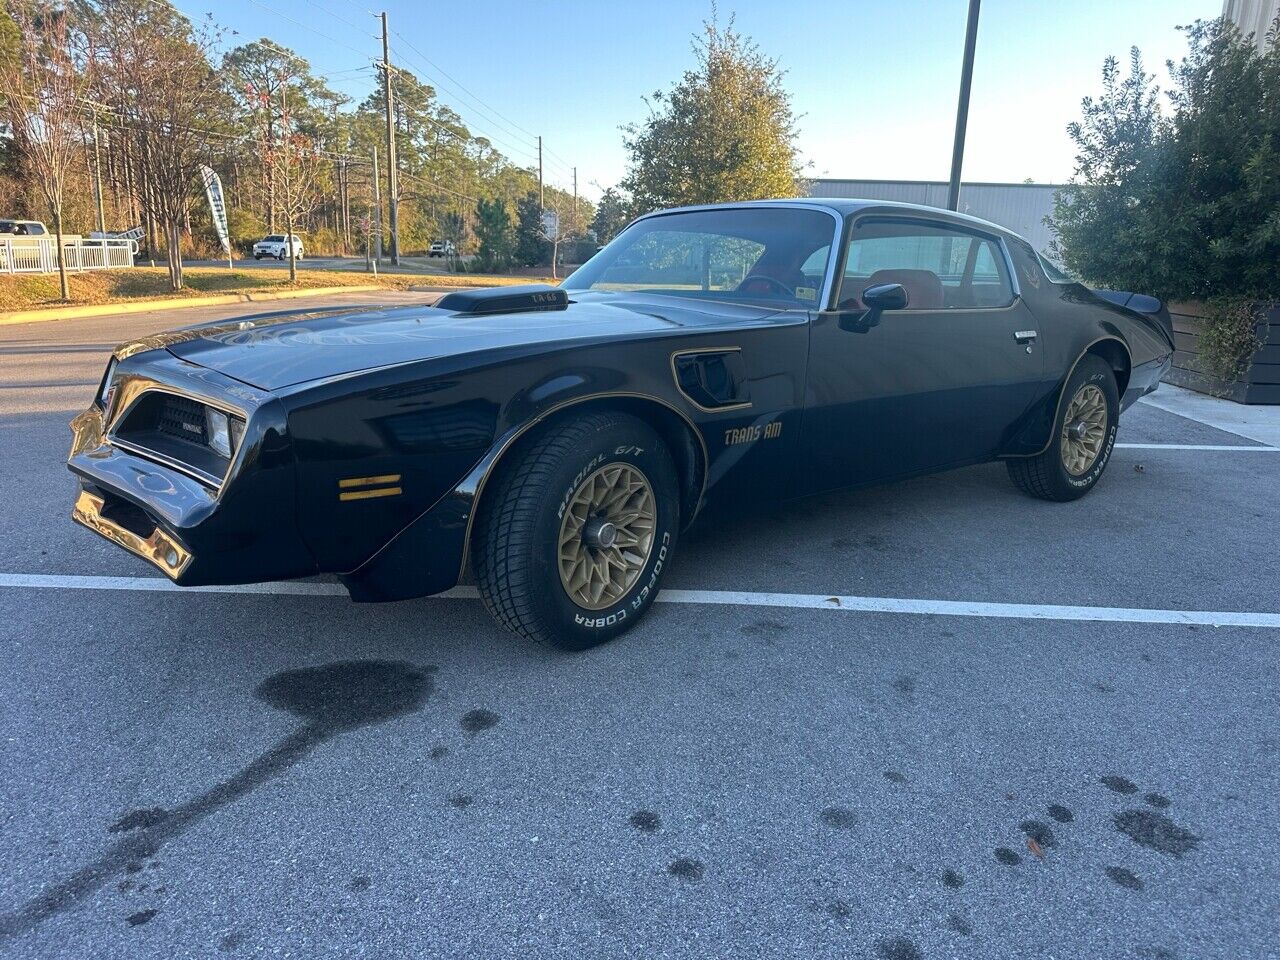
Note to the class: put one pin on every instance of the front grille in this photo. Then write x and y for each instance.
(172, 428)
(182, 418)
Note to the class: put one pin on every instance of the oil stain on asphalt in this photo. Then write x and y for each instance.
(686, 869)
(646, 821)
(477, 721)
(1039, 832)
(898, 948)
(1060, 813)
(839, 817)
(1156, 832)
(1125, 878)
(959, 924)
(1007, 857)
(332, 699)
(1119, 784)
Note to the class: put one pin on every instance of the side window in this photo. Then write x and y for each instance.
(939, 267)
(35, 230)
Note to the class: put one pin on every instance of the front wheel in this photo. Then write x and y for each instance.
(1084, 434)
(575, 536)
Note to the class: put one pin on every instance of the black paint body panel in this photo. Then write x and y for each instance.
(779, 404)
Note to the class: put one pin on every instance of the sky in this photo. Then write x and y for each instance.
(873, 82)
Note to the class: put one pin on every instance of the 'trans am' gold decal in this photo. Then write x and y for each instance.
(767, 431)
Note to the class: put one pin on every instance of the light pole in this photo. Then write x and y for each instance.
(962, 110)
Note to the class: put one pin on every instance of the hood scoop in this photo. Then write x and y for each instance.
(527, 298)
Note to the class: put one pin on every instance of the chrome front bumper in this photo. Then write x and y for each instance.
(159, 549)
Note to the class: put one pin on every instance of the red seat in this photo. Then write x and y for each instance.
(924, 289)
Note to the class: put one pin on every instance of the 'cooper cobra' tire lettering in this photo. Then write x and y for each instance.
(574, 538)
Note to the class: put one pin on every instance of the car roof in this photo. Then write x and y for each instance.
(844, 206)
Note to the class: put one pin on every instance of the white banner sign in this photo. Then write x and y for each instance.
(213, 190)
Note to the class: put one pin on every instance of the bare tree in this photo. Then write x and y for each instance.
(289, 158)
(165, 97)
(43, 95)
(566, 223)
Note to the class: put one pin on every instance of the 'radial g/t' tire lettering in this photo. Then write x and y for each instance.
(573, 540)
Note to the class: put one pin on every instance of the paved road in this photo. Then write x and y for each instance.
(198, 774)
(427, 265)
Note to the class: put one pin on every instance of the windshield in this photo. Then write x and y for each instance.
(274, 238)
(773, 254)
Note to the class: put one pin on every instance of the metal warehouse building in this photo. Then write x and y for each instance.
(1021, 207)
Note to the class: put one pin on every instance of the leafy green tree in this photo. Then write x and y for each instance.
(725, 132)
(1184, 205)
(495, 233)
(613, 212)
(1223, 194)
(531, 246)
(9, 39)
(1102, 222)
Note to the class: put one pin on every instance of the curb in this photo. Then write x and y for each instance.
(173, 303)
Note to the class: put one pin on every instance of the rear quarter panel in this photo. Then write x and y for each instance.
(1070, 319)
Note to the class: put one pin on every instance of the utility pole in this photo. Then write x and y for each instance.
(575, 193)
(962, 110)
(377, 219)
(541, 202)
(97, 179)
(393, 190)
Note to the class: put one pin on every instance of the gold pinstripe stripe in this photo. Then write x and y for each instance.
(370, 494)
(369, 481)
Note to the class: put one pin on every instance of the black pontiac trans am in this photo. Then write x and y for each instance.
(556, 441)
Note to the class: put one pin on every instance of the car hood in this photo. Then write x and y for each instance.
(277, 350)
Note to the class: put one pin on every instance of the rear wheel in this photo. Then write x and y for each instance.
(1084, 434)
(573, 539)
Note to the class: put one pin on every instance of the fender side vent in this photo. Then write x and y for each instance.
(522, 299)
(712, 380)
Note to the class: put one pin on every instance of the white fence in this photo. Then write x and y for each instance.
(40, 254)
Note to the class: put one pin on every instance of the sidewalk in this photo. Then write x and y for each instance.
(1253, 422)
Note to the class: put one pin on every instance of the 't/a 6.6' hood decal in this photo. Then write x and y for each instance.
(275, 351)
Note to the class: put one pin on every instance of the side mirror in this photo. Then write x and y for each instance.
(876, 300)
(885, 296)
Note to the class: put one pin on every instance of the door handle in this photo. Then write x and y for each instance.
(1025, 336)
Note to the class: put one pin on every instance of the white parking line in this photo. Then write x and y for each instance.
(733, 598)
(1196, 446)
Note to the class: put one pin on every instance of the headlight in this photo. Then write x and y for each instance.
(224, 432)
(218, 430)
(107, 391)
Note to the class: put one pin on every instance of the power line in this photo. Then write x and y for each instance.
(480, 104)
(305, 26)
(436, 186)
(524, 150)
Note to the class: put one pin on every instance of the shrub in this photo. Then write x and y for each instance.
(1180, 198)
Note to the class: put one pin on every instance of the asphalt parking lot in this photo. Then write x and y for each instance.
(935, 719)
